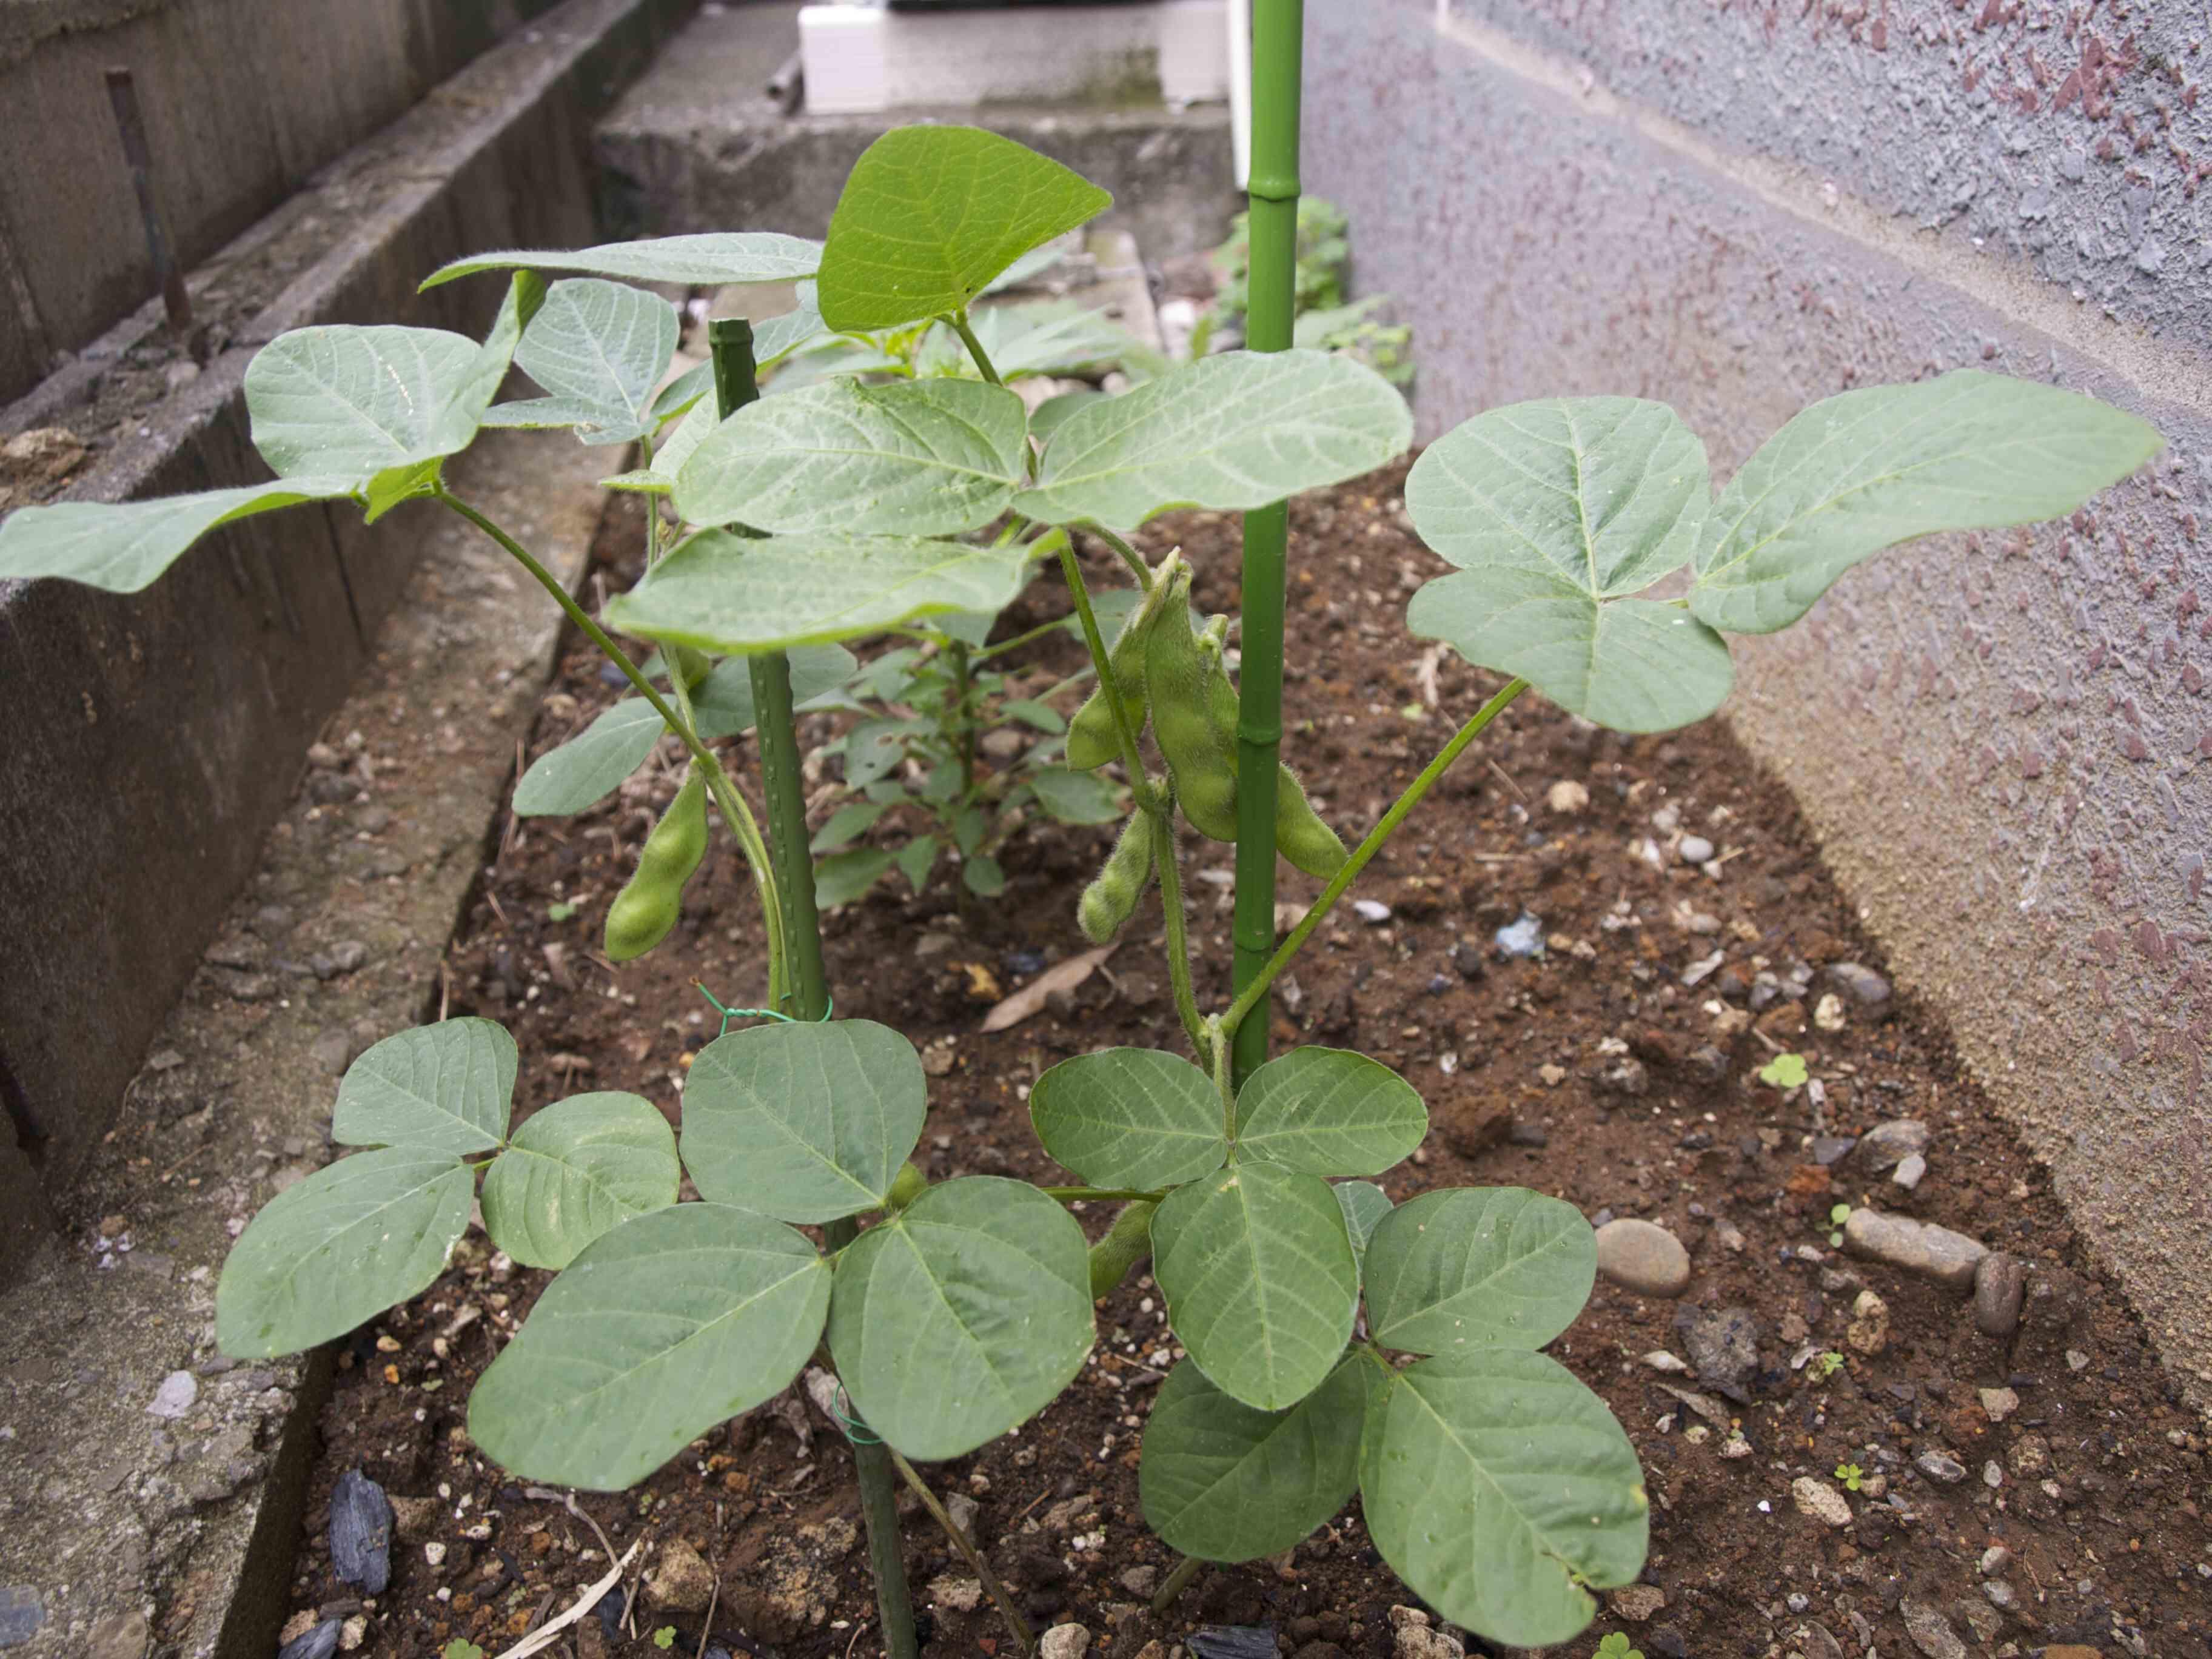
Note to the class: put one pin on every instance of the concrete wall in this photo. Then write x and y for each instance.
(152, 737)
(243, 99)
(2002, 739)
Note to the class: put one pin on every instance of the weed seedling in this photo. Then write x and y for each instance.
(1850, 1474)
(1784, 1071)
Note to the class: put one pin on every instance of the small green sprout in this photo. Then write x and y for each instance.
(1850, 1474)
(559, 911)
(1615, 1646)
(1825, 1366)
(1784, 1072)
(664, 1637)
(1838, 1215)
(458, 1647)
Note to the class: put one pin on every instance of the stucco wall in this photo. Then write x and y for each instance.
(2002, 739)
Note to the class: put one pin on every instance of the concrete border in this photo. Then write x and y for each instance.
(153, 739)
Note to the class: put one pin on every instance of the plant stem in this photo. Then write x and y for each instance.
(735, 813)
(1083, 1194)
(1167, 860)
(1178, 1581)
(1129, 555)
(1147, 797)
(1384, 827)
(959, 321)
(963, 686)
(976, 1563)
(1020, 639)
(872, 1465)
(1273, 238)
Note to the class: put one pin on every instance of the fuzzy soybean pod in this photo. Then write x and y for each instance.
(1093, 737)
(1126, 1242)
(1300, 835)
(1195, 715)
(648, 905)
(1111, 899)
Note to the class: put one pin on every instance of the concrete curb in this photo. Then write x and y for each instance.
(152, 737)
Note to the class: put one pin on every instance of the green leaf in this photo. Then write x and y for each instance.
(1224, 1482)
(733, 594)
(1037, 716)
(1630, 665)
(378, 403)
(872, 748)
(916, 859)
(982, 876)
(1048, 336)
(843, 877)
(447, 1088)
(664, 1327)
(847, 824)
(1330, 1111)
(929, 215)
(776, 337)
(600, 349)
(803, 1122)
(1364, 1205)
(963, 1316)
(1557, 510)
(1130, 1117)
(123, 547)
(1076, 796)
(591, 765)
(924, 458)
(1869, 469)
(1233, 431)
(668, 458)
(577, 1169)
(722, 703)
(1048, 417)
(340, 1247)
(1503, 1492)
(716, 260)
(1261, 1283)
(681, 395)
(1478, 1268)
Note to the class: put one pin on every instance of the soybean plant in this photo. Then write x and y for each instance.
(1338, 1343)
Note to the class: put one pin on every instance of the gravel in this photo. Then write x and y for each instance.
(1642, 1257)
(1915, 1247)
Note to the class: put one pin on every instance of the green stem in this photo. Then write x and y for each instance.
(1020, 639)
(1168, 861)
(1255, 993)
(976, 1563)
(1178, 1581)
(963, 687)
(1272, 235)
(1147, 797)
(872, 1464)
(1129, 555)
(959, 321)
(735, 813)
(1107, 1194)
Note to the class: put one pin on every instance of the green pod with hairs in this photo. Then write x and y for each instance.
(1194, 714)
(1111, 899)
(1092, 737)
(1126, 1242)
(1300, 835)
(647, 906)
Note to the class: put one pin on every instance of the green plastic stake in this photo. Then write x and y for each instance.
(731, 341)
(1277, 28)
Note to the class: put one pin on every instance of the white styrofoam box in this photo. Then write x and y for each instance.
(861, 59)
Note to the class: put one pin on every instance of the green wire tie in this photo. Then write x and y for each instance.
(856, 1431)
(729, 1014)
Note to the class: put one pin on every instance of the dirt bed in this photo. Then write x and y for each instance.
(1590, 1071)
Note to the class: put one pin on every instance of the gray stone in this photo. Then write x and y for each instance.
(178, 1390)
(1999, 1403)
(1915, 1247)
(119, 1636)
(1374, 913)
(21, 1613)
(1642, 1257)
(2001, 1594)
(1909, 1170)
(1867, 988)
(333, 1050)
(319, 1643)
(361, 1532)
(1695, 849)
(1940, 1466)
(1064, 1642)
(963, 1509)
(1999, 1282)
(1723, 1346)
(1637, 1602)
(1931, 1630)
(343, 958)
(1830, 1149)
(1887, 1145)
(1995, 1560)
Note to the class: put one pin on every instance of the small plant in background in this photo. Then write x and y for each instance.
(1325, 321)
(1784, 1072)
(1614, 1645)
(1337, 1343)
(1838, 1215)
(1825, 1365)
(458, 1647)
(1850, 1474)
(664, 1637)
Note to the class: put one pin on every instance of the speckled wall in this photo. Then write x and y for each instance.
(2003, 740)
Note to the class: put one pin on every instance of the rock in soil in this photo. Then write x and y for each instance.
(1640, 1256)
(20, 1615)
(1820, 1500)
(119, 1636)
(1999, 1282)
(961, 1595)
(361, 1532)
(1940, 1466)
(682, 1580)
(1868, 1331)
(1637, 1602)
(1722, 1347)
(1931, 1630)
(319, 1642)
(1064, 1642)
(1416, 1640)
(1887, 1145)
(1917, 1246)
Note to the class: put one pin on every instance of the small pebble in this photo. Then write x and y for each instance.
(1695, 849)
(1995, 1560)
(1887, 1144)
(1522, 938)
(2000, 1594)
(1866, 987)
(1917, 1246)
(1938, 1466)
(176, 1395)
(1909, 1170)
(1640, 1256)
(1993, 1475)
(1567, 797)
(2000, 1282)
(1821, 1501)
(1999, 1403)
(1374, 913)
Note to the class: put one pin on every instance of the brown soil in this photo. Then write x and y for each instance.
(1591, 1072)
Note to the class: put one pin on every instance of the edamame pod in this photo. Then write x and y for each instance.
(649, 903)
(1092, 737)
(1111, 899)
(1300, 835)
(1126, 1242)
(1194, 713)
